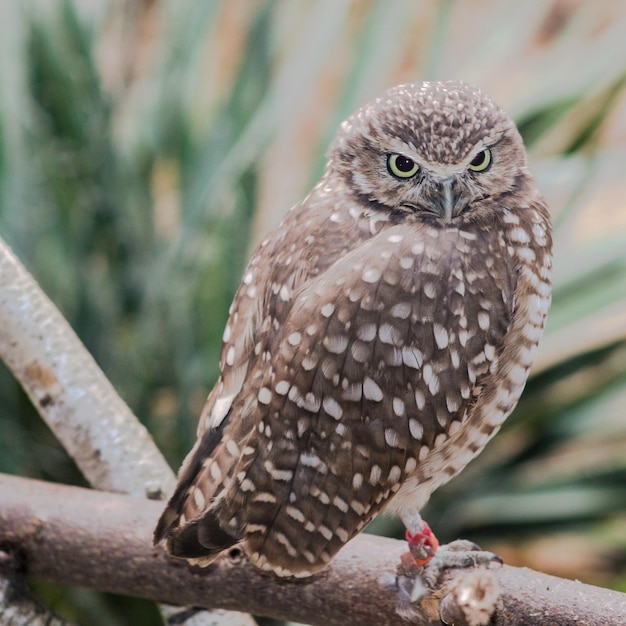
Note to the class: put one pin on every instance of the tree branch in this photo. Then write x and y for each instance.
(102, 540)
(110, 446)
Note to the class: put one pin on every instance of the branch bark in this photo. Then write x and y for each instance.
(102, 540)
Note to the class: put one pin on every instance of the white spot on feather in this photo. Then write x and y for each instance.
(198, 498)
(389, 334)
(326, 532)
(294, 339)
(220, 410)
(412, 357)
(371, 275)
(420, 399)
(391, 438)
(295, 513)
(285, 293)
(416, 429)
(282, 539)
(246, 485)
(441, 336)
(282, 387)
(401, 310)
(265, 395)
(366, 332)
(371, 390)
(336, 344)
(375, 474)
(230, 356)
(232, 447)
(332, 407)
(394, 474)
(519, 234)
(342, 505)
(216, 472)
(357, 507)
(328, 309)
(309, 363)
(483, 320)
(282, 475)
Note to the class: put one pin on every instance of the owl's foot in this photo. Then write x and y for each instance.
(414, 580)
(457, 554)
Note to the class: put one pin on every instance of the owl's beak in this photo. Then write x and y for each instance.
(447, 198)
(444, 198)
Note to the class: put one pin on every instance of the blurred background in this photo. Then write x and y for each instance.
(147, 145)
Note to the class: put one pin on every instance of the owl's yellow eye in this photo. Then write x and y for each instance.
(401, 166)
(481, 161)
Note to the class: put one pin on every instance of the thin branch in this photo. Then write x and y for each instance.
(110, 446)
(19, 608)
(102, 540)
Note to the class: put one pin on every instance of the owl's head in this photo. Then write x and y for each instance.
(430, 148)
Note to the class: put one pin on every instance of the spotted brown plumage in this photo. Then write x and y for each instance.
(379, 338)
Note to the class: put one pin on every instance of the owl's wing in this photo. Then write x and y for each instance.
(375, 365)
(278, 269)
(240, 336)
(275, 272)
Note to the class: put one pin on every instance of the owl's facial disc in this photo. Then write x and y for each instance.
(444, 190)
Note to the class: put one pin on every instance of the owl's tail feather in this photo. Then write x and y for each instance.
(203, 540)
(169, 521)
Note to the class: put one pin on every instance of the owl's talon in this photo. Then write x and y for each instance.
(459, 554)
(409, 566)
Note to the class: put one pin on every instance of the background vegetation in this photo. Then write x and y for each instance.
(146, 145)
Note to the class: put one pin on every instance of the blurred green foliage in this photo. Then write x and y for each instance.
(146, 145)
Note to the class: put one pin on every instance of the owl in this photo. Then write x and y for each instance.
(378, 340)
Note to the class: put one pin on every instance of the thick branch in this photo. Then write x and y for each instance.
(102, 540)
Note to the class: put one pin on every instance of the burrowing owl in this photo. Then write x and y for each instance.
(378, 340)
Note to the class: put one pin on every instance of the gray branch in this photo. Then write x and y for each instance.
(103, 540)
(110, 446)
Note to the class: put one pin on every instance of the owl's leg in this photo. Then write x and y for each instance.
(422, 541)
(423, 544)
